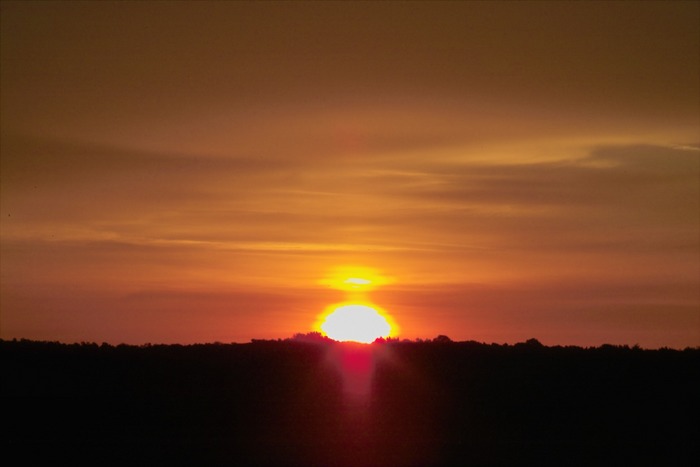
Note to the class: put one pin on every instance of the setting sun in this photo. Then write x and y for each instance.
(355, 323)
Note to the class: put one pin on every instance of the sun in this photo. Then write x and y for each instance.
(357, 319)
(355, 322)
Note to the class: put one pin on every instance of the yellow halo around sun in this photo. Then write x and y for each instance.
(356, 322)
(355, 279)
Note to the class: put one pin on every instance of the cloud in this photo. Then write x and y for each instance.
(614, 198)
(613, 192)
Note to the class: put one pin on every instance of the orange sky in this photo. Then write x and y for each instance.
(192, 172)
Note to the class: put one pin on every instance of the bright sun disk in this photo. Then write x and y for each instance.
(355, 323)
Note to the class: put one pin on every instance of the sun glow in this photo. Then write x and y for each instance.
(354, 322)
(356, 319)
(355, 279)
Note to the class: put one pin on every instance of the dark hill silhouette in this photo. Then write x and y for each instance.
(296, 402)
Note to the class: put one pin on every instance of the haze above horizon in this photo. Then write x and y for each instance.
(199, 172)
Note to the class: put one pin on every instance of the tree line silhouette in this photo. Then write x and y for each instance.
(281, 402)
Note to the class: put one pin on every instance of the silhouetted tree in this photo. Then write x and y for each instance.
(314, 337)
(442, 339)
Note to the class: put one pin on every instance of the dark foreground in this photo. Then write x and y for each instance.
(293, 403)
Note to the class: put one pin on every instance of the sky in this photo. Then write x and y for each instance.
(198, 172)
